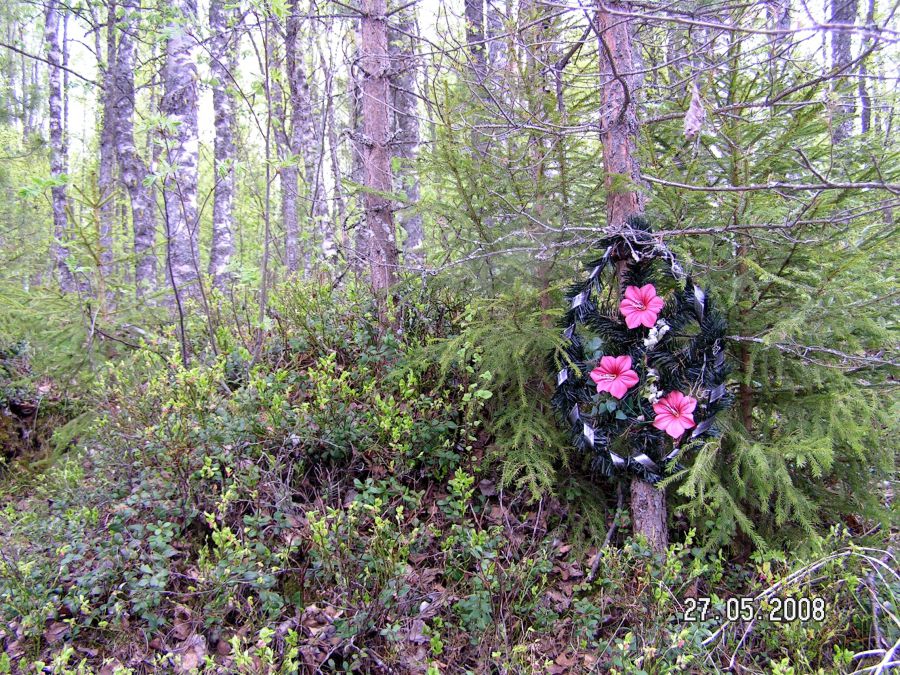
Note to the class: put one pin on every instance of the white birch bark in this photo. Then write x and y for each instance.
(843, 12)
(179, 104)
(288, 173)
(331, 134)
(134, 170)
(223, 65)
(498, 44)
(107, 162)
(406, 134)
(305, 141)
(58, 150)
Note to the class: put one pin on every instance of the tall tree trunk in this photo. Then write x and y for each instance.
(288, 173)
(65, 75)
(779, 12)
(58, 149)
(865, 99)
(406, 120)
(179, 104)
(223, 65)
(107, 162)
(497, 14)
(331, 133)
(475, 37)
(305, 141)
(534, 41)
(618, 121)
(133, 168)
(376, 123)
(842, 12)
(360, 256)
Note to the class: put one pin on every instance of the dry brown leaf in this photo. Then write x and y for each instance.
(55, 631)
(487, 488)
(695, 115)
(416, 633)
(193, 652)
(181, 627)
(15, 649)
(110, 667)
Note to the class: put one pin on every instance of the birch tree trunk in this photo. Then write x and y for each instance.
(179, 104)
(58, 149)
(305, 141)
(406, 121)
(331, 133)
(497, 42)
(134, 170)
(865, 98)
(779, 17)
(376, 127)
(619, 125)
(223, 64)
(107, 162)
(357, 170)
(475, 36)
(842, 12)
(288, 173)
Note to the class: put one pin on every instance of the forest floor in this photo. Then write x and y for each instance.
(328, 511)
(359, 573)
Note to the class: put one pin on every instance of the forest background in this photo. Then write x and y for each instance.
(278, 285)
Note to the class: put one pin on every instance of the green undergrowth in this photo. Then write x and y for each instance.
(331, 498)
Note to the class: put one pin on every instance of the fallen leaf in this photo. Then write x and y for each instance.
(193, 652)
(181, 628)
(695, 115)
(55, 632)
(487, 488)
(110, 667)
(416, 633)
(15, 649)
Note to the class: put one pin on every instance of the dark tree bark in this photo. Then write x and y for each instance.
(843, 12)
(58, 149)
(181, 142)
(406, 143)
(618, 121)
(376, 124)
(223, 65)
(133, 169)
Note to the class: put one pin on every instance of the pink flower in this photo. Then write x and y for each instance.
(614, 374)
(641, 306)
(674, 413)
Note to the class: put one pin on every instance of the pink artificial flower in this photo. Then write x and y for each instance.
(674, 413)
(614, 374)
(641, 306)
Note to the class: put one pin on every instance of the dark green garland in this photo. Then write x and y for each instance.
(690, 357)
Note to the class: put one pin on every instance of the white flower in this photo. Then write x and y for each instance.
(652, 394)
(656, 334)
